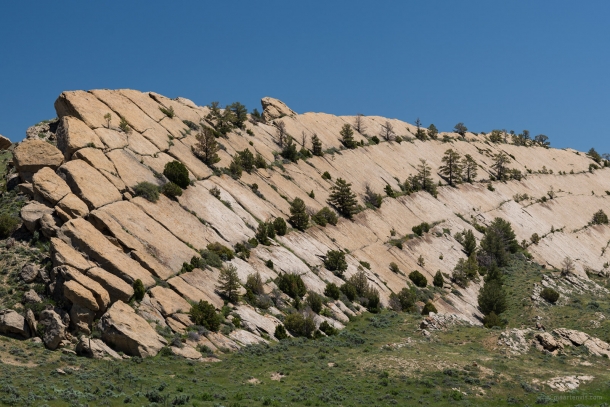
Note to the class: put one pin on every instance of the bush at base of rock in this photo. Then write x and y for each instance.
(550, 295)
(204, 314)
(138, 290)
(418, 279)
(314, 300)
(8, 224)
(428, 308)
(177, 173)
(328, 329)
(332, 291)
(171, 190)
(221, 250)
(335, 262)
(325, 216)
(298, 325)
(493, 320)
(280, 332)
(403, 301)
(279, 224)
(291, 284)
(147, 190)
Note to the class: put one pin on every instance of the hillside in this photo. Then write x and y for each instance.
(89, 232)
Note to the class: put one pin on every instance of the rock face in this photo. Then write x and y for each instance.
(12, 323)
(32, 213)
(32, 155)
(95, 348)
(128, 332)
(91, 186)
(54, 328)
(49, 185)
(73, 134)
(274, 109)
(5, 143)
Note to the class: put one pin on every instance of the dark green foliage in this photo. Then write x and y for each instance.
(600, 218)
(371, 198)
(493, 320)
(418, 278)
(242, 250)
(240, 114)
(124, 125)
(438, 280)
(222, 251)
(177, 173)
(335, 262)
(196, 262)
(432, 132)
(138, 290)
(492, 297)
(269, 264)
(499, 241)
(298, 325)
(470, 243)
(289, 152)
(147, 190)
(404, 300)
(343, 199)
(460, 129)
(326, 175)
(262, 234)
(291, 284)
(332, 291)
(325, 216)
(211, 258)
(428, 308)
(246, 160)
(8, 224)
(594, 155)
(169, 112)
(389, 191)
(205, 314)
(279, 224)
(328, 329)
(349, 290)
(228, 282)
(259, 161)
(347, 136)
(316, 146)
(394, 267)
(373, 303)
(420, 229)
(280, 332)
(254, 283)
(550, 295)
(299, 219)
(314, 300)
(465, 271)
(171, 190)
(235, 168)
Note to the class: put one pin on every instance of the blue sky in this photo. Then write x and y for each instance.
(541, 66)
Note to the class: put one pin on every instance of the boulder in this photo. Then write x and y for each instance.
(186, 352)
(81, 319)
(274, 109)
(122, 328)
(45, 130)
(147, 310)
(64, 254)
(176, 325)
(29, 273)
(548, 342)
(78, 294)
(100, 294)
(73, 134)
(30, 319)
(117, 289)
(32, 155)
(95, 348)
(25, 188)
(89, 184)
(31, 214)
(576, 337)
(167, 301)
(71, 207)
(31, 297)
(83, 105)
(49, 225)
(54, 331)
(5, 143)
(13, 324)
(49, 185)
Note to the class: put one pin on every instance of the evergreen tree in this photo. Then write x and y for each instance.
(299, 219)
(281, 132)
(246, 159)
(240, 114)
(499, 241)
(342, 198)
(420, 134)
(469, 167)
(423, 178)
(432, 132)
(460, 129)
(205, 315)
(316, 145)
(359, 123)
(372, 198)
(289, 152)
(347, 136)
(228, 282)
(499, 165)
(496, 136)
(438, 281)
(138, 290)
(492, 298)
(262, 234)
(206, 147)
(470, 243)
(452, 169)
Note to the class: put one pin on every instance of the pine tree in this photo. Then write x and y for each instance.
(470, 243)
(423, 178)
(359, 123)
(420, 134)
(299, 219)
(316, 145)
(228, 282)
(281, 132)
(240, 114)
(347, 136)
(452, 168)
(460, 129)
(492, 298)
(342, 198)
(207, 147)
(469, 166)
(499, 165)
(432, 131)
(438, 280)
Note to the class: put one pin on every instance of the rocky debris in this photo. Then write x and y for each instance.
(14, 324)
(32, 155)
(126, 331)
(71, 207)
(49, 225)
(568, 383)
(31, 297)
(25, 188)
(5, 143)
(50, 186)
(147, 310)
(54, 328)
(117, 289)
(566, 285)
(515, 340)
(167, 301)
(441, 322)
(44, 130)
(594, 345)
(275, 109)
(31, 214)
(95, 348)
(186, 352)
(222, 342)
(246, 338)
(73, 134)
(29, 272)
(89, 184)
(81, 319)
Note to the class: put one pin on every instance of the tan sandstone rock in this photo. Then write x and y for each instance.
(64, 254)
(117, 289)
(12, 323)
(49, 185)
(71, 207)
(274, 109)
(32, 155)
(95, 348)
(31, 214)
(79, 295)
(73, 134)
(5, 143)
(89, 184)
(167, 301)
(99, 292)
(54, 328)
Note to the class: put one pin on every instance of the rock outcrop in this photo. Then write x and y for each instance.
(33, 155)
(12, 323)
(54, 328)
(5, 143)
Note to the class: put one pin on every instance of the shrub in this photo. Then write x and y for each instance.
(269, 263)
(404, 300)
(8, 224)
(328, 329)
(326, 175)
(314, 300)
(492, 320)
(418, 279)
(280, 332)
(299, 218)
(147, 190)
(279, 224)
(215, 192)
(171, 190)
(428, 308)
(325, 216)
(138, 290)
(262, 234)
(535, 239)
(205, 314)
(394, 267)
(123, 125)
(254, 283)
(210, 258)
(228, 282)
(223, 252)
(335, 262)
(600, 218)
(420, 229)
(168, 112)
(177, 173)
(373, 303)
(298, 325)
(492, 297)
(550, 295)
(349, 290)
(438, 281)
(332, 291)
(291, 284)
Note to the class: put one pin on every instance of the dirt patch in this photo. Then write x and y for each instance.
(277, 376)
(253, 380)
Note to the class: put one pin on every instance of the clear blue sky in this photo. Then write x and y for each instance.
(537, 65)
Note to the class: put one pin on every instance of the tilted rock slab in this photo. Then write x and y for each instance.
(49, 185)
(12, 323)
(33, 155)
(91, 186)
(73, 134)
